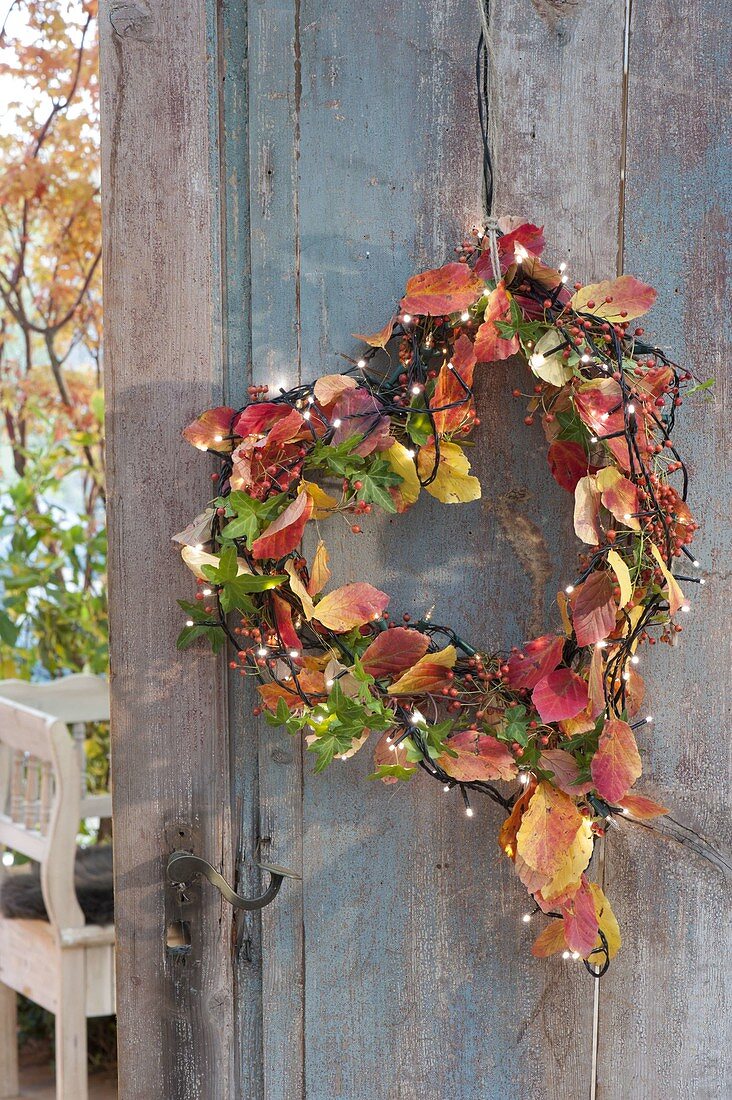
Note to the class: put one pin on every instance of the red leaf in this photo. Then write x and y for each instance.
(642, 807)
(568, 462)
(350, 606)
(447, 289)
(284, 533)
(536, 660)
(593, 609)
(529, 237)
(331, 386)
(599, 404)
(565, 771)
(489, 346)
(619, 495)
(283, 620)
(617, 764)
(361, 414)
(210, 429)
(287, 430)
(393, 651)
(580, 920)
(479, 757)
(260, 417)
(451, 391)
(561, 694)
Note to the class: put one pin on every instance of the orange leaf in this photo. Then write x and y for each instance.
(446, 289)
(580, 920)
(564, 771)
(312, 683)
(547, 829)
(430, 673)
(350, 606)
(550, 940)
(642, 807)
(379, 339)
(393, 651)
(619, 495)
(320, 573)
(629, 298)
(331, 386)
(510, 827)
(451, 391)
(478, 757)
(676, 598)
(284, 533)
(210, 429)
(617, 764)
(489, 345)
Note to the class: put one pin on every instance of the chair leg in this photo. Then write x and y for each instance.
(71, 1067)
(8, 1042)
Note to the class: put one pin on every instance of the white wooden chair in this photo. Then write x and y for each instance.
(62, 964)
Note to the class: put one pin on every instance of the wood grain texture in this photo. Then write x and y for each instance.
(665, 1007)
(163, 364)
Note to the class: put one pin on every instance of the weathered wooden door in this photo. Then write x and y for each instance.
(273, 171)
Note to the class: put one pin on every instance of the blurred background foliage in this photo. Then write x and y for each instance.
(53, 604)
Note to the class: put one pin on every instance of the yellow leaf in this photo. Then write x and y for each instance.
(608, 926)
(402, 463)
(574, 863)
(676, 598)
(621, 571)
(323, 503)
(546, 361)
(320, 573)
(547, 830)
(298, 589)
(427, 674)
(550, 940)
(195, 559)
(452, 484)
(634, 615)
(562, 604)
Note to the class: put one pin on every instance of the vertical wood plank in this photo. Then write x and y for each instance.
(163, 364)
(663, 1024)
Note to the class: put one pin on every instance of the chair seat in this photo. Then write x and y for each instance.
(21, 895)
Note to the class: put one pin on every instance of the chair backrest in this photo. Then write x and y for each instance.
(42, 779)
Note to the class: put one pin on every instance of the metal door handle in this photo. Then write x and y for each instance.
(183, 867)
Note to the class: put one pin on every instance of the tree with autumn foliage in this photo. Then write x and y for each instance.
(52, 599)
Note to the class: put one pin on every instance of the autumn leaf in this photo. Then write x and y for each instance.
(600, 406)
(593, 609)
(629, 298)
(512, 246)
(641, 806)
(448, 289)
(211, 430)
(452, 483)
(621, 571)
(360, 413)
(319, 573)
(510, 827)
(259, 417)
(575, 861)
(565, 771)
(402, 462)
(298, 589)
(324, 505)
(197, 532)
(312, 684)
(587, 511)
(329, 388)
(546, 360)
(567, 462)
(561, 694)
(619, 495)
(580, 920)
(379, 339)
(478, 757)
(283, 621)
(392, 763)
(596, 683)
(547, 829)
(350, 606)
(676, 598)
(550, 940)
(617, 764)
(197, 559)
(453, 390)
(393, 651)
(284, 534)
(490, 346)
(534, 661)
(430, 673)
(607, 924)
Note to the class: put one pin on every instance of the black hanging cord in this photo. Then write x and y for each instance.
(482, 70)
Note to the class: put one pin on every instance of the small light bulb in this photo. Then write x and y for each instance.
(625, 810)
(392, 748)
(202, 446)
(605, 416)
(329, 684)
(262, 651)
(446, 787)
(417, 717)
(307, 414)
(702, 580)
(524, 778)
(564, 278)
(344, 757)
(294, 653)
(526, 918)
(206, 591)
(593, 439)
(635, 659)
(600, 645)
(696, 564)
(562, 266)
(536, 360)
(411, 452)
(198, 546)
(649, 719)
(468, 811)
(569, 589)
(218, 438)
(311, 400)
(575, 954)
(361, 363)
(626, 675)
(406, 318)
(566, 954)
(465, 316)
(189, 622)
(628, 515)
(586, 358)
(520, 254)
(631, 410)
(337, 422)
(686, 607)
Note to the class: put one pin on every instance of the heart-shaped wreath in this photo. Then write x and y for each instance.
(556, 715)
